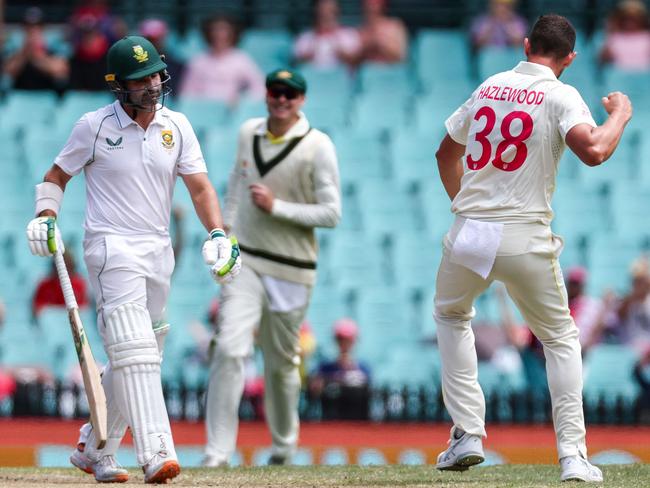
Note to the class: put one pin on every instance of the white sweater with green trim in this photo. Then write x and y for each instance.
(307, 194)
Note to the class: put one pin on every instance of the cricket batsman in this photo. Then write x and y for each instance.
(131, 152)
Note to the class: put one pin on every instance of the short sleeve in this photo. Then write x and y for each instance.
(78, 150)
(190, 160)
(458, 123)
(571, 109)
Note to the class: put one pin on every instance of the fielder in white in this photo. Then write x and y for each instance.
(131, 152)
(284, 183)
(511, 133)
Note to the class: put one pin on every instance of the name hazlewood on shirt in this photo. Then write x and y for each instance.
(510, 94)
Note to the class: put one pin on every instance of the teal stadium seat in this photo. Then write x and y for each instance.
(186, 46)
(413, 365)
(27, 108)
(438, 104)
(441, 56)
(384, 325)
(413, 156)
(493, 60)
(608, 374)
(623, 166)
(271, 49)
(358, 258)
(375, 113)
(41, 145)
(633, 83)
(609, 258)
(330, 84)
(630, 205)
(383, 204)
(329, 94)
(580, 211)
(361, 156)
(436, 207)
(203, 114)
(328, 304)
(77, 103)
(416, 257)
(246, 109)
(385, 78)
(220, 152)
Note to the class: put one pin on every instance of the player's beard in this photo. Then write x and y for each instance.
(148, 99)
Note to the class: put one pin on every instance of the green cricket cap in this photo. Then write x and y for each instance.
(132, 58)
(287, 77)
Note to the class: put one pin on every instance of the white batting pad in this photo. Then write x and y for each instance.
(135, 363)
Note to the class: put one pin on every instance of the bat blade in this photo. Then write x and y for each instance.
(91, 378)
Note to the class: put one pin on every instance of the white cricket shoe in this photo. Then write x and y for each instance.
(160, 469)
(464, 450)
(106, 469)
(577, 468)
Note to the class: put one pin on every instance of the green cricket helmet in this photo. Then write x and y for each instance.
(134, 58)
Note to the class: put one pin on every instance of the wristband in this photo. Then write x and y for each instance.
(217, 232)
(48, 197)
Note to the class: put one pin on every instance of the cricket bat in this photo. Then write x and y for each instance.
(91, 377)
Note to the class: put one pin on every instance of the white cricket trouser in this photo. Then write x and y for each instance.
(527, 264)
(132, 270)
(276, 308)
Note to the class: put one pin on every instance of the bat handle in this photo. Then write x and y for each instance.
(64, 279)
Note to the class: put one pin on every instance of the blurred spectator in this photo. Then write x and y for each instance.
(34, 66)
(224, 72)
(633, 312)
(642, 376)
(7, 384)
(307, 344)
(627, 42)
(156, 31)
(383, 39)
(589, 313)
(94, 29)
(328, 44)
(342, 385)
(48, 290)
(501, 26)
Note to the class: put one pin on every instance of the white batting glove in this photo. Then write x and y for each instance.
(44, 237)
(222, 255)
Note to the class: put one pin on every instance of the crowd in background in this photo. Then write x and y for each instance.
(224, 72)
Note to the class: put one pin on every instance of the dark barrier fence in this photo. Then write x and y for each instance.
(386, 404)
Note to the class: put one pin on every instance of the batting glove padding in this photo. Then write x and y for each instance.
(222, 255)
(44, 237)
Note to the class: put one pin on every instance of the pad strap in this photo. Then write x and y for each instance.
(48, 197)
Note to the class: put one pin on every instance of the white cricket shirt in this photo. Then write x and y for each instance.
(130, 173)
(513, 127)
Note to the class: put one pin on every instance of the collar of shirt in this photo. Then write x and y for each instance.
(124, 120)
(298, 129)
(535, 69)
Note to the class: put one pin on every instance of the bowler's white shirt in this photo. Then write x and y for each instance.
(530, 95)
(130, 173)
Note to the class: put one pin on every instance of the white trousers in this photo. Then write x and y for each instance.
(528, 266)
(275, 309)
(129, 270)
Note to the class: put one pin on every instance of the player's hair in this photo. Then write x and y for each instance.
(552, 35)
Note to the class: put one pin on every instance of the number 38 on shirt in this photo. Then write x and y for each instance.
(508, 143)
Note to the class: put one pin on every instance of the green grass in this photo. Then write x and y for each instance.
(636, 475)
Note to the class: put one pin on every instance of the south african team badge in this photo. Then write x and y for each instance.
(167, 139)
